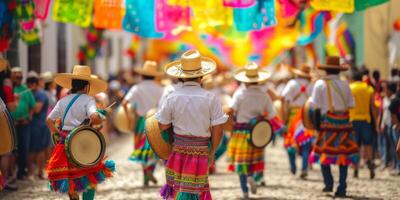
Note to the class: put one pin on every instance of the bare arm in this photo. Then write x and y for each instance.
(38, 107)
(52, 127)
(216, 135)
(164, 127)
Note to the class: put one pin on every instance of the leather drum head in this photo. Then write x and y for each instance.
(121, 120)
(85, 147)
(161, 147)
(261, 134)
(7, 133)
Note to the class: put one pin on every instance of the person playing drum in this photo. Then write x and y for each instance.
(249, 103)
(143, 97)
(73, 109)
(335, 142)
(297, 138)
(196, 117)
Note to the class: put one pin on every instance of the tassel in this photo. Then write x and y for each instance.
(64, 186)
(205, 196)
(110, 164)
(92, 179)
(187, 196)
(71, 186)
(166, 192)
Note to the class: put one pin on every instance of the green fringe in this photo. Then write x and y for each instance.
(187, 196)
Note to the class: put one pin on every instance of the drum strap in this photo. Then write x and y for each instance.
(328, 87)
(68, 108)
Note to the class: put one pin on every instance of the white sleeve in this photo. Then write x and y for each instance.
(91, 107)
(350, 98)
(131, 96)
(316, 94)
(56, 112)
(288, 91)
(164, 114)
(270, 108)
(217, 115)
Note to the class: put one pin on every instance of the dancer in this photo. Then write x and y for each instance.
(196, 117)
(250, 103)
(73, 109)
(144, 97)
(335, 142)
(297, 139)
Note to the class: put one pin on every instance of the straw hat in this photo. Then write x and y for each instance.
(304, 71)
(81, 72)
(252, 74)
(191, 65)
(47, 77)
(149, 69)
(333, 62)
(161, 147)
(3, 64)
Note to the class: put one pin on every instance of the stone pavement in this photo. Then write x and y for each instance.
(280, 184)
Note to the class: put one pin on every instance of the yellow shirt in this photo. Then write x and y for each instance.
(362, 93)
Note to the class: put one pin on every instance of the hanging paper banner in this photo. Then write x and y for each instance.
(346, 6)
(314, 23)
(364, 4)
(345, 41)
(140, 18)
(108, 14)
(6, 24)
(41, 8)
(289, 8)
(170, 17)
(256, 17)
(26, 21)
(78, 12)
(211, 13)
(239, 3)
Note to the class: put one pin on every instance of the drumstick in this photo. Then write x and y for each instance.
(112, 104)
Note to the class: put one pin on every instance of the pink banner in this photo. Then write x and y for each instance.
(239, 3)
(41, 8)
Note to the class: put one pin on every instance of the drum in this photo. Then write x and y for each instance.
(85, 146)
(160, 142)
(121, 119)
(261, 132)
(311, 117)
(7, 133)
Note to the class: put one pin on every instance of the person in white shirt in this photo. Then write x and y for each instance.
(73, 110)
(196, 117)
(335, 142)
(297, 139)
(249, 103)
(143, 97)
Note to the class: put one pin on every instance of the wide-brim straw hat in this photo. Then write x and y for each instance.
(161, 147)
(149, 69)
(4, 64)
(81, 72)
(47, 77)
(333, 62)
(191, 65)
(303, 71)
(251, 73)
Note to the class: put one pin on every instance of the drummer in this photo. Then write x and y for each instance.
(196, 117)
(297, 139)
(73, 109)
(250, 103)
(335, 142)
(143, 97)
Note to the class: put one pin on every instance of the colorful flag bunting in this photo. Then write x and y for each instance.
(78, 12)
(169, 17)
(41, 8)
(108, 14)
(140, 18)
(346, 6)
(239, 3)
(256, 17)
(364, 4)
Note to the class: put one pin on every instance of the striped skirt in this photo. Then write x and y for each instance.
(142, 150)
(297, 135)
(187, 169)
(242, 156)
(335, 143)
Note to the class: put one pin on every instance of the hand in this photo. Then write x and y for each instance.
(398, 148)
(212, 158)
(108, 110)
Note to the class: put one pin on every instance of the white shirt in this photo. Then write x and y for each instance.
(168, 90)
(144, 96)
(386, 117)
(319, 95)
(191, 110)
(293, 89)
(82, 109)
(251, 102)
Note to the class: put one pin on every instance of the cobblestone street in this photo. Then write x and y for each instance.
(280, 184)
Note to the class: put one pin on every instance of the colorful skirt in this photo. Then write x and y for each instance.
(242, 156)
(297, 135)
(336, 142)
(187, 169)
(64, 177)
(142, 150)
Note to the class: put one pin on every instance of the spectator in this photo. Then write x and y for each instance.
(7, 96)
(49, 88)
(40, 133)
(394, 75)
(22, 118)
(394, 108)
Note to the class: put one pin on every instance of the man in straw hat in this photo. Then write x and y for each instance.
(297, 138)
(74, 109)
(196, 117)
(335, 142)
(250, 103)
(144, 97)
